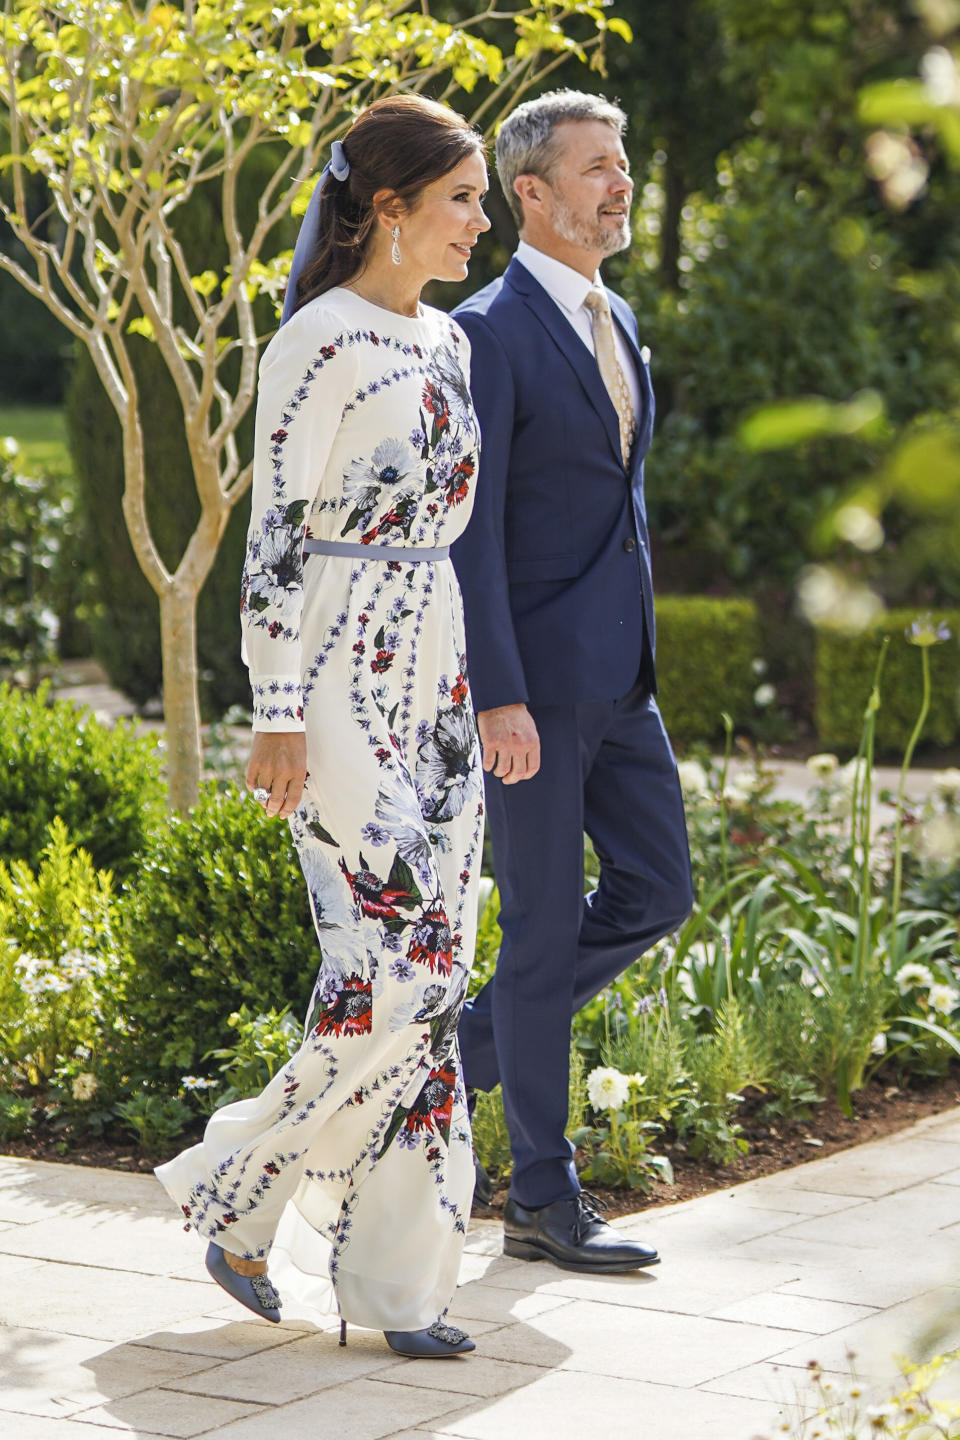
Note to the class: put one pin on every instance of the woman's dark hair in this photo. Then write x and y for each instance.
(400, 143)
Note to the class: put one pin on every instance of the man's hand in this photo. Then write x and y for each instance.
(510, 743)
(278, 763)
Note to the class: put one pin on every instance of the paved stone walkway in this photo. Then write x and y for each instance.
(109, 1326)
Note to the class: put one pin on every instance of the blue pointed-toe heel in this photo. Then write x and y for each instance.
(254, 1291)
(437, 1343)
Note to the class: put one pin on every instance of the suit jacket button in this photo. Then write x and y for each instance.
(630, 545)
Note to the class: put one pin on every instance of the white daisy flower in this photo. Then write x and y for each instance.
(943, 999)
(607, 1088)
(913, 976)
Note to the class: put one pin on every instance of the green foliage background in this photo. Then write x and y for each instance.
(845, 666)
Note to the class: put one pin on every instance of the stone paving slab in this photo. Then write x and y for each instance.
(109, 1326)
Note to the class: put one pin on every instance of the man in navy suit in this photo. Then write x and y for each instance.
(555, 572)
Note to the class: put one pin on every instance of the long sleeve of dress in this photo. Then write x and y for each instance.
(306, 375)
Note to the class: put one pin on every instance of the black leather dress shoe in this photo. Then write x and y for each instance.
(571, 1234)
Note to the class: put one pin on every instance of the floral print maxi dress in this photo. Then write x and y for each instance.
(353, 1167)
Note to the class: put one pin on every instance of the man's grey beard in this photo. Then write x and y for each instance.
(588, 235)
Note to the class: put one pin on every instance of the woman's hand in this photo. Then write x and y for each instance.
(278, 763)
(510, 743)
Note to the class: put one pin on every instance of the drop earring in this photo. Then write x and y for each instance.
(395, 255)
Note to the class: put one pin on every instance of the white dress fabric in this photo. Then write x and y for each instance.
(353, 1167)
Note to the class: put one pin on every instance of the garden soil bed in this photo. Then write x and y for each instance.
(879, 1110)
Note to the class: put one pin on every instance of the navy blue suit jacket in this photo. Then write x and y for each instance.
(555, 562)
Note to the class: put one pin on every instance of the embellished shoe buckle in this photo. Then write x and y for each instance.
(265, 1292)
(448, 1334)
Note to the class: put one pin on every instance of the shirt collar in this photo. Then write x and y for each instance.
(562, 283)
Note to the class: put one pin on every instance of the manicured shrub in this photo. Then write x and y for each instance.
(216, 918)
(705, 652)
(55, 759)
(844, 671)
(59, 962)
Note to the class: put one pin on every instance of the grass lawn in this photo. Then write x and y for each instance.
(40, 432)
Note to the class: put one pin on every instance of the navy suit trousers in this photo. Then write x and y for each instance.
(607, 768)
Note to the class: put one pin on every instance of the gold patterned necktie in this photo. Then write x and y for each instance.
(611, 371)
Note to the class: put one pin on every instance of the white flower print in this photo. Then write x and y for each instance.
(446, 373)
(403, 821)
(363, 483)
(446, 776)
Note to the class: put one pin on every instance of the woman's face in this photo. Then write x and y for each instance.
(437, 236)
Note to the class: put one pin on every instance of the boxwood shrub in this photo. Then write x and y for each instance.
(56, 759)
(705, 650)
(216, 917)
(845, 666)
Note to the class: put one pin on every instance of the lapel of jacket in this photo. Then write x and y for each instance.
(571, 347)
(623, 318)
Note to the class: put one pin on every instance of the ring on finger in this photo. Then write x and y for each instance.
(261, 795)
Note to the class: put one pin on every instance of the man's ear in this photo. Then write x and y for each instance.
(531, 191)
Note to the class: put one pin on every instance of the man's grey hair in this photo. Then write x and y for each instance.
(528, 144)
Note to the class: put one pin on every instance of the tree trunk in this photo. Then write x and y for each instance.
(181, 707)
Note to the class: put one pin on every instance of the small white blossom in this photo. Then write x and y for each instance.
(823, 765)
(636, 1081)
(764, 695)
(878, 1045)
(943, 998)
(914, 976)
(758, 666)
(607, 1088)
(737, 795)
(197, 1082)
(946, 786)
(693, 777)
(84, 1086)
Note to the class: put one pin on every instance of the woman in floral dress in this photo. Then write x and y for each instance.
(353, 1169)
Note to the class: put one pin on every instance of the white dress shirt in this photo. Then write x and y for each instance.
(568, 289)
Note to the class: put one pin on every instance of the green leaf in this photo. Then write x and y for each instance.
(793, 422)
(401, 878)
(141, 326)
(206, 283)
(319, 833)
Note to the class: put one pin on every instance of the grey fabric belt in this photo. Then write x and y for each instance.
(373, 552)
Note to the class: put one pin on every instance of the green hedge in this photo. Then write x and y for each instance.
(56, 759)
(217, 917)
(845, 666)
(705, 652)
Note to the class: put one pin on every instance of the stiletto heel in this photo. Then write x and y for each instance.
(437, 1343)
(343, 1332)
(254, 1291)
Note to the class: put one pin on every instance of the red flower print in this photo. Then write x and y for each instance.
(274, 629)
(350, 1013)
(433, 1107)
(383, 661)
(327, 351)
(458, 692)
(431, 942)
(278, 437)
(382, 754)
(359, 648)
(372, 894)
(456, 485)
(435, 402)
